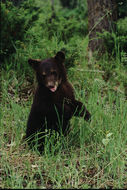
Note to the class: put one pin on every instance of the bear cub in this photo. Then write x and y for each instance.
(54, 102)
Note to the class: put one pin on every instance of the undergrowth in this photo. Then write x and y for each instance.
(93, 155)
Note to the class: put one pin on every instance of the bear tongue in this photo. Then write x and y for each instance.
(53, 89)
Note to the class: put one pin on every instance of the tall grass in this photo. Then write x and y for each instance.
(93, 155)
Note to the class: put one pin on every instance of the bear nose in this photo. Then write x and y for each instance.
(50, 86)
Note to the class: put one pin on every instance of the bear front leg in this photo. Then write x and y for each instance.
(35, 125)
(80, 110)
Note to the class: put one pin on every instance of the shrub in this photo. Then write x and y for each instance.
(14, 23)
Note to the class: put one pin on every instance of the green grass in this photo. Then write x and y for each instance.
(94, 154)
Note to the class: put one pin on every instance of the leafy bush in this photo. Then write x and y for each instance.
(116, 42)
(122, 32)
(121, 8)
(32, 30)
(15, 21)
(12, 27)
(69, 4)
(46, 35)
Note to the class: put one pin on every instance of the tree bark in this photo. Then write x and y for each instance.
(101, 17)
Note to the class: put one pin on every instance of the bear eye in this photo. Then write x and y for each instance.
(43, 74)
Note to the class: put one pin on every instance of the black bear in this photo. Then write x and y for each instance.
(54, 102)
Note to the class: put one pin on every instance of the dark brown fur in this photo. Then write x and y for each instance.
(54, 98)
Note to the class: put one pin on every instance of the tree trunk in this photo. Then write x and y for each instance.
(101, 14)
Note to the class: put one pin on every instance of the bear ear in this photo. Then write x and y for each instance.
(60, 56)
(34, 63)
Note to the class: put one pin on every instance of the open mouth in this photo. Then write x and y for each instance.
(52, 88)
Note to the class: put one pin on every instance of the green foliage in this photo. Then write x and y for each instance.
(116, 42)
(35, 30)
(69, 4)
(93, 155)
(12, 27)
(121, 8)
(52, 33)
(122, 33)
(15, 21)
(38, 32)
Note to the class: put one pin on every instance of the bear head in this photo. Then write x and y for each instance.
(50, 72)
